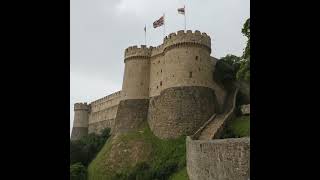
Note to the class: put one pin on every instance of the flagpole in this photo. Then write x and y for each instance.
(145, 35)
(164, 26)
(185, 18)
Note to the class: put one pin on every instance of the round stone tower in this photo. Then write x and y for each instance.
(187, 60)
(136, 73)
(80, 123)
(187, 98)
(133, 107)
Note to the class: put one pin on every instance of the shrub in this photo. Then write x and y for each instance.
(78, 172)
(85, 149)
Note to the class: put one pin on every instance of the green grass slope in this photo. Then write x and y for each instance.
(237, 128)
(139, 155)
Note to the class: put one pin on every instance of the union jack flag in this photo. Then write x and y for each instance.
(181, 10)
(158, 22)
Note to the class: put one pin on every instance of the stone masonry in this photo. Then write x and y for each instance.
(176, 77)
(183, 109)
(219, 159)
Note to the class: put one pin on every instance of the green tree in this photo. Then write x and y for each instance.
(85, 149)
(246, 32)
(244, 70)
(233, 61)
(78, 172)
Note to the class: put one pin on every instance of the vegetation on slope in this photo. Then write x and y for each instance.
(180, 175)
(138, 155)
(78, 172)
(83, 151)
(237, 128)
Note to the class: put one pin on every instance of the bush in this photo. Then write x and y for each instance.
(78, 172)
(85, 149)
(237, 128)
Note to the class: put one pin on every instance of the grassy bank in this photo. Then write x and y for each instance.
(139, 155)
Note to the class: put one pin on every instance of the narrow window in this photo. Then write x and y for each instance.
(157, 87)
(199, 69)
(161, 70)
(197, 58)
(190, 74)
(160, 83)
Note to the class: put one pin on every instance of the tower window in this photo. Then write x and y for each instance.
(197, 57)
(199, 69)
(190, 74)
(157, 87)
(161, 70)
(160, 83)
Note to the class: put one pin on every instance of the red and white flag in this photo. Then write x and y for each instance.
(158, 22)
(181, 10)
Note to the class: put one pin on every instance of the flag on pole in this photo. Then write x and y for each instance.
(181, 10)
(145, 34)
(158, 22)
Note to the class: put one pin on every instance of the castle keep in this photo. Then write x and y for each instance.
(170, 86)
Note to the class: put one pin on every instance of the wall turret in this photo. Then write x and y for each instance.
(182, 93)
(187, 60)
(80, 123)
(136, 73)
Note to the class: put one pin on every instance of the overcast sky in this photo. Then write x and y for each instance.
(100, 30)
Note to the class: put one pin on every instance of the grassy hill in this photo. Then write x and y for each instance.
(140, 155)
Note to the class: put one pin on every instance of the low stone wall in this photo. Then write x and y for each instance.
(180, 111)
(131, 114)
(220, 159)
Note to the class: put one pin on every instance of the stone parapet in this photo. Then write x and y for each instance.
(137, 52)
(218, 159)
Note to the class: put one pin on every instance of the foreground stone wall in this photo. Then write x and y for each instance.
(180, 111)
(220, 159)
(130, 115)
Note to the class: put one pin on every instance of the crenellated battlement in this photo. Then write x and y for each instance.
(135, 51)
(187, 38)
(81, 106)
(106, 98)
(157, 50)
(172, 40)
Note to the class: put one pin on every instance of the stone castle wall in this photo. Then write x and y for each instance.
(130, 115)
(157, 73)
(218, 159)
(103, 112)
(180, 111)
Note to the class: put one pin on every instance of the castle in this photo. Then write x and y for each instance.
(171, 86)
